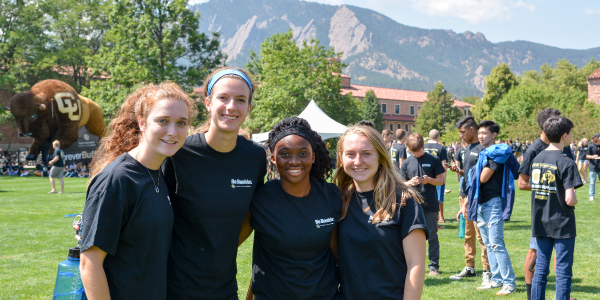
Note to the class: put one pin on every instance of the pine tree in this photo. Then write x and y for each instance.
(371, 110)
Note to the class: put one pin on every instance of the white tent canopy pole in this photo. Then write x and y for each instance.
(320, 122)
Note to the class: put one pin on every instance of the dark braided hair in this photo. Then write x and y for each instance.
(323, 166)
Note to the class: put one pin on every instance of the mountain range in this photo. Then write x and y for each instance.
(378, 51)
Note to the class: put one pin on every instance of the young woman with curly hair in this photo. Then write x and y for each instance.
(127, 219)
(211, 181)
(382, 232)
(295, 217)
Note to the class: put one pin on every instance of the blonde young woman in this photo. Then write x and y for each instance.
(582, 149)
(127, 219)
(382, 232)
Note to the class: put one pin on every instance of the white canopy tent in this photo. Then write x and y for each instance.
(320, 122)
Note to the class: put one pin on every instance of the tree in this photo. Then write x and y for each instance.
(371, 110)
(430, 115)
(150, 42)
(471, 99)
(76, 31)
(498, 83)
(291, 76)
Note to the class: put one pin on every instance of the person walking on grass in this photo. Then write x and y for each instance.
(491, 198)
(435, 148)
(593, 155)
(468, 129)
(127, 218)
(554, 178)
(58, 165)
(535, 148)
(382, 232)
(425, 172)
(584, 163)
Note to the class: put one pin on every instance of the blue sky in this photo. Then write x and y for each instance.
(563, 24)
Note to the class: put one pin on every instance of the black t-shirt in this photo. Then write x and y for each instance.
(518, 146)
(594, 149)
(524, 148)
(38, 167)
(436, 149)
(583, 150)
(292, 258)
(211, 193)
(493, 187)
(125, 217)
(459, 156)
(397, 152)
(533, 150)
(21, 169)
(551, 174)
(61, 155)
(428, 165)
(371, 256)
(469, 160)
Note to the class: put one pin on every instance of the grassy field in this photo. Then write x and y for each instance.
(35, 236)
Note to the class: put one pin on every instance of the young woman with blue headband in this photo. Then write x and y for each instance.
(211, 182)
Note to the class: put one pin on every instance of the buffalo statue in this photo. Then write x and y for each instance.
(52, 110)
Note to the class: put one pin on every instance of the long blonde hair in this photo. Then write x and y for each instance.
(124, 131)
(387, 181)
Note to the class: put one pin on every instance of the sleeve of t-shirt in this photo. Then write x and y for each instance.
(168, 170)
(444, 154)
(570, 176)
(525, 167)
(568, 152)
(103, 218)
(56, 153)
(590, 151)
(404, 172)
(402, 153)
(457, 156)
(335, 197)
(411, 218)
(260, 181)
(493, 165)
(438, 168)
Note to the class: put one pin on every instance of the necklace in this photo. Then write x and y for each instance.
(157, 179)
(360, 202)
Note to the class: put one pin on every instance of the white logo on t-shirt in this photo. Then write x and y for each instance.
(426, 165)
(324, 222)
(244, 183)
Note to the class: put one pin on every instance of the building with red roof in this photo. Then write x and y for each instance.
(399, 107)
(594, 87)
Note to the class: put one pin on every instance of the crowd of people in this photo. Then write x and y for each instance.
(358, 229)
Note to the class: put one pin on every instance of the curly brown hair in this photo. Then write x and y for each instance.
(124, 133)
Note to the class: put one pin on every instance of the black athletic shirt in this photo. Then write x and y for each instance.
(594, 149)
(459, 155)
(493, 187)
(371, 256)
(428, 165)
(518, 146)
(583, 150)
(551, 174)
(533, 150)
(470, 159)
(61, 155)
(397, 152)
(292, 258)
(127, 219)
(436, 149)
(211, 193)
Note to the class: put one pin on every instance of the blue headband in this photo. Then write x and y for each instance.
(222, 73)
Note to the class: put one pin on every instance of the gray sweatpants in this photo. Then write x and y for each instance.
(431, 220)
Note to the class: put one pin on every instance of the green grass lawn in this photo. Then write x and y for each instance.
(35, 236)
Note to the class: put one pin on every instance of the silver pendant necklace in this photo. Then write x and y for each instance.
(157, 179)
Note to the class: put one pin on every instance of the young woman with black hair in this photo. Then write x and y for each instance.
(211, 182)
(295, 219)
(382, 232)
(127, 219)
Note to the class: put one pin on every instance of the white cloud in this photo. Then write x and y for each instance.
(192, 2)
(592, 11)
(473, 11)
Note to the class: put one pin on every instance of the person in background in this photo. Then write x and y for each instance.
(425, 172)
(388, 136)
(468, 129)
(434, 148)
(518, 150)
(554, 178)
(12, 170)
(398, 150)
(584, 163)
(21, 170)
(593, 155)
(491, 199)
(58, 166)
(382, 232)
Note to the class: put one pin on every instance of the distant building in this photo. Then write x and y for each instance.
(594, 87)
(399, 107)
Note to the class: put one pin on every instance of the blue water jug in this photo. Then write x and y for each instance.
(68, 279)
(461, 227)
